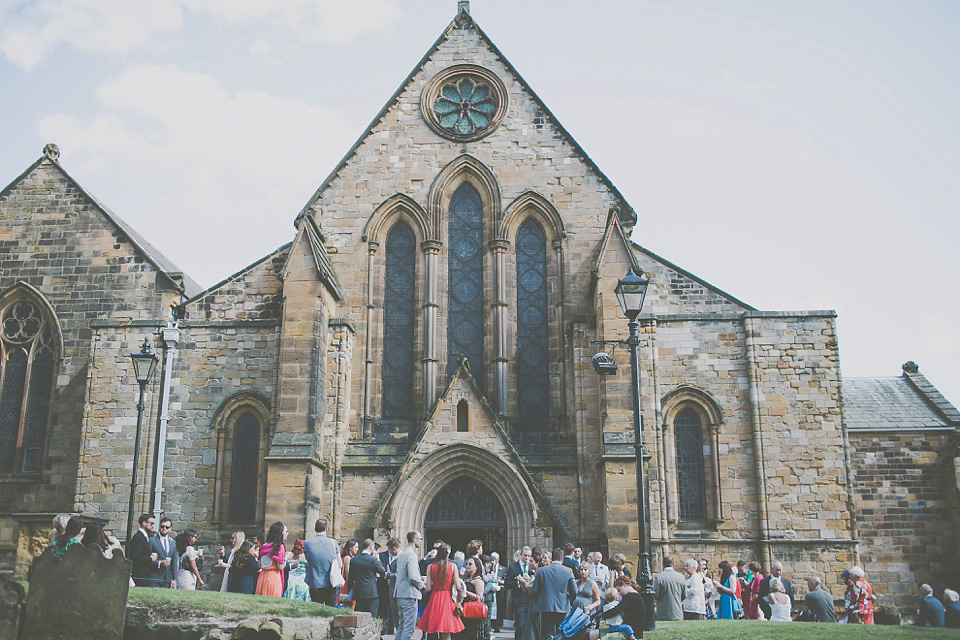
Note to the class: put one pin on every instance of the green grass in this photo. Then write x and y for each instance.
(172, 605)
(754, 630)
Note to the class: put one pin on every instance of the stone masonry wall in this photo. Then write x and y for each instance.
(54, 238)
(902, 502)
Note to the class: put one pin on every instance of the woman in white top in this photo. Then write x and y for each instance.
(779, 602)
(188, 577)
(236, 539)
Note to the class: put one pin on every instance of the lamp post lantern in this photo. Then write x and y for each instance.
(144, 364)
(631, 290)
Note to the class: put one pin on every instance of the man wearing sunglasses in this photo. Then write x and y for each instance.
(167, 562)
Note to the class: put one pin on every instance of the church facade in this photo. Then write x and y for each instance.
(419, 357)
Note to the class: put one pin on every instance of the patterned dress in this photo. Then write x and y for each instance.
(858, 601)
(297, 588)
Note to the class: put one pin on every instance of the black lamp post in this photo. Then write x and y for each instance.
(631, 291)
(144, 364)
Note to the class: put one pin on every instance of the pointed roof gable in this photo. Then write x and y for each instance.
(486, 432)
(309, 232)
(164, 265)
(463, 20)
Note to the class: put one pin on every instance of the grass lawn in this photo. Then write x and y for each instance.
(755, 630)
(173, 605)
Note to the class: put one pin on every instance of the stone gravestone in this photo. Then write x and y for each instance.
(11, 605)
(80, 595)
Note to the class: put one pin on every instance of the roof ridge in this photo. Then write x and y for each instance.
(943, 407)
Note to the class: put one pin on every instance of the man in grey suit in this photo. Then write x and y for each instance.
(365, 568)
(321, 553)
(168, 560)
(409, 587)
(553, 591)
(670, 588)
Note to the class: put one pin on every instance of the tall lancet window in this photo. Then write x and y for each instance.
(533, 372)
(27, 364)
(398, 319)
(465, 269)
(689, 441)
(244, 470)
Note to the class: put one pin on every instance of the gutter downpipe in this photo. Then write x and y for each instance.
(171, 337)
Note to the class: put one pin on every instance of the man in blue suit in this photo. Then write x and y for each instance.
(365, 568)
(553, 592)
(168, 559)
(321, 553)
(931, 613)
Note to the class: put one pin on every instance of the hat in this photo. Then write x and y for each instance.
(845, 574)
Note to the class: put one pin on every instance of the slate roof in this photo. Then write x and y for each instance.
(905, 403)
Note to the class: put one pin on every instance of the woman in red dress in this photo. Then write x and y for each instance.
(438, 615)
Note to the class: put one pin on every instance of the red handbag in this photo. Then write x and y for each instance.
(475, 610)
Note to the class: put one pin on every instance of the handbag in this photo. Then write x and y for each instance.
(336, 578)
(475, 610)
(457, 609)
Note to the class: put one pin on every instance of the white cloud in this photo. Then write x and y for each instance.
(33, 29)
(205, 162)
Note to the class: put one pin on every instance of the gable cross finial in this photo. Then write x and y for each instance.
(463, 6)
(52, 152)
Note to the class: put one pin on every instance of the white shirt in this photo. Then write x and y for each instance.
(694, 602)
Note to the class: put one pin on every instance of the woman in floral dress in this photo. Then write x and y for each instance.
(297, 588)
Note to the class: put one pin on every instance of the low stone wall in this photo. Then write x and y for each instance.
(356, 626)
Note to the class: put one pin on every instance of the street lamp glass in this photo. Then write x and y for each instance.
(144, 363)
(631, 289)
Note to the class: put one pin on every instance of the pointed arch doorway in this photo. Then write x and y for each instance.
(463, 510)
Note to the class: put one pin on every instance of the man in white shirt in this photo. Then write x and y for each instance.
(599, 571)
(694, 604)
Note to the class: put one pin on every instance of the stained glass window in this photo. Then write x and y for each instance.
(27, 365)
(465, 107)
(533, 379)
(690, 489)
(465, 501)
(244, 470)
(465, 328)
(398, 322)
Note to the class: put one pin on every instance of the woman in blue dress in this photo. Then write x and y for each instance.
(728, 592)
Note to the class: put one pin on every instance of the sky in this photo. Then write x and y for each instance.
(797, 155)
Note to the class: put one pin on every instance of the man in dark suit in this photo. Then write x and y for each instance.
(518, 597)
(168, 560)
(365, 568)
(385, 587)
(138, 550)
(569, 560)
(553, 592)
(776, 571)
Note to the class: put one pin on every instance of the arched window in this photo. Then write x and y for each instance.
(398, 324)
(690, 476)
(533, 371)
(463, 416)
(465, 313)
(244, 470)
(27, 365)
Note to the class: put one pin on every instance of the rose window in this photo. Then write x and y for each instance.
(465, 107)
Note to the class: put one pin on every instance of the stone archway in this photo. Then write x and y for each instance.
(417, 490)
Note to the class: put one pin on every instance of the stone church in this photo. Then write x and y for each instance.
(419, 357)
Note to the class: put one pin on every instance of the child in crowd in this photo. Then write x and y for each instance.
(612, 597)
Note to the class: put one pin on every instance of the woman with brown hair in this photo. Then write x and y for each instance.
(438, 616)
(474, 628)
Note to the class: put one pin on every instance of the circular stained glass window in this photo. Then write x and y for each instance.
(464, 102)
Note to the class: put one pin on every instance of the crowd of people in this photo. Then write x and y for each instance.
(465, 595)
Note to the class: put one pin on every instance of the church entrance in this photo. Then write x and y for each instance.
(465, 509)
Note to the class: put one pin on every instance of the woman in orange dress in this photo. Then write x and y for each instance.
(272, 557)
(438, 615)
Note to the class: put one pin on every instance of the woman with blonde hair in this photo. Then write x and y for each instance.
(779, 602)
(236, 538)
(951, 606)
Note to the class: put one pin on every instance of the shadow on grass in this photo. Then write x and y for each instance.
(173, 605)
(755, 630)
